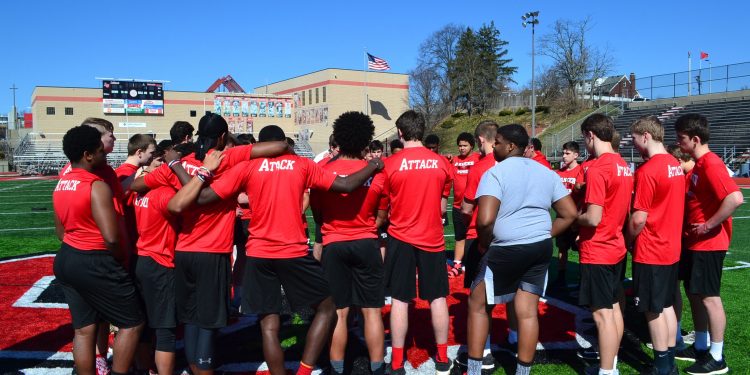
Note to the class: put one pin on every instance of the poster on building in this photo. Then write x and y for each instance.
(262, 107)
(236, 107)
(245, 112)
(311, 116)
(253, 108)
(287, 108)
(237, 111)
(271, 108)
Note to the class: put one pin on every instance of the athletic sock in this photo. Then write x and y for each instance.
(680, 341)
(671, 351)
(304, 369)
(442, 353)
(377, 368)
(606, 372)
(512, 336)
(487, 346)
(523, 368)
(338, 366)
(661, 362)
(614, 363)
(716, 350)
(397, 358)
(701, 340)
(474, 366)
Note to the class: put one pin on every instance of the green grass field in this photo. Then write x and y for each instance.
(27, 227)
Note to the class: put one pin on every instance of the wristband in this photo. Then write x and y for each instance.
(205, 171)
(173, 162)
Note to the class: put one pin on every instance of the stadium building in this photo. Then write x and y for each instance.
(304, 106)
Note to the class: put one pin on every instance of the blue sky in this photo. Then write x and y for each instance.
(191, 43)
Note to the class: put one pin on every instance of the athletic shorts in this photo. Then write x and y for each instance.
(96, 288)
(600, 285)
(702, 271)
(654, 286)
(354, 270)
(471, 261)
(302, 280)
(202, 288)
(459, 227)
(402, 261)
(156, 284)
(506, 269)
(567, 240)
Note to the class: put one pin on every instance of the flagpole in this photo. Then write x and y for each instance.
(690, 78)
(365, 68)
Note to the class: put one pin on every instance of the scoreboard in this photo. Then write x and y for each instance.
(133, 97)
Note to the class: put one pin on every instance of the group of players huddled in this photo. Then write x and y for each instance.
(148, 246)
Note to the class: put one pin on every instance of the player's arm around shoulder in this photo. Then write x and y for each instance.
(194, 190)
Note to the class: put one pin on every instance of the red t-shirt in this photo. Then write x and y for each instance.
(274, 187)
(72, 202)
(539, 157)
(708, 186)
(660, 192)
(461, 167)
(157, 228)
(571, 177)
(609, 184)
(123, 172)
(163, 176)
(348, 216)
(415, 180)
(108, 175)
(470, 194)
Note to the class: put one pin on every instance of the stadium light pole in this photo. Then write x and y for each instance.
(530, 18)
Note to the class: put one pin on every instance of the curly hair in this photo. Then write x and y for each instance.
(81, 139)
(353, 132)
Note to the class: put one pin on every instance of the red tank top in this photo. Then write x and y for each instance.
(72, 202)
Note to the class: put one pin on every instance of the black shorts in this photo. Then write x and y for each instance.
(302, 280)
(97, 287)
(156, 284)
(702, 271)
(202, 288)
(600, 285)
(505, 269)
(654, 286)
(354, 270)
(567, 240)
(472, 258)
(402, 261)
(459, 227)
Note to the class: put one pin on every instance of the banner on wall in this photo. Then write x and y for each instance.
(310, 116)
(241, 111)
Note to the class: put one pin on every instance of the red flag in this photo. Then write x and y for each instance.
(704, 55)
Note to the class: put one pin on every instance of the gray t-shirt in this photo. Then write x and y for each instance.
(526, 190)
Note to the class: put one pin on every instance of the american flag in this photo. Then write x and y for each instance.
(376, 63)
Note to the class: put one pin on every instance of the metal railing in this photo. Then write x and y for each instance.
(551, 143)
(701, 81)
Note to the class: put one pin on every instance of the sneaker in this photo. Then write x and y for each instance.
(689, 337)
(398, 371)
(589, 354)
(488, 362)
(462, 362)
(690, 354)
(102, 368)
(442, 368)
(650, 371)
(455, 271)
(708, 366)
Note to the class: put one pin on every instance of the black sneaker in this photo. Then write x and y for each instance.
(690, 354)
(708, 366)
(589, 354)
(442, 368)
(650, 371)
(462, 362)
(398, 371)
(488, 363)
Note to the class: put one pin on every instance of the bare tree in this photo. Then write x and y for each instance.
(601, 63)
(437, 52)
(424, 93)
(566, 46)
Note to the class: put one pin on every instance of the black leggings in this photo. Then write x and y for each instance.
(165, 340)
(199, 346)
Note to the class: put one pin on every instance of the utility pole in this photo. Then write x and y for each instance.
(530, 18)
(15, 112)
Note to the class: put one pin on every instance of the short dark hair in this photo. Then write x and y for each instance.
(271, 133)
(140, 142)
(180, 130)
(432, 139)
(332, 142)
(396, 143)
(81, 139)
(693, 124)
(290, 142)
(94, 121)
(676, 151)
(486, 129)
(516, 134)
(245, 139)
(353, 132)
(536, 143)
(599, 124)
(210, 128)
(466, 137)
(572, 146)
(163, 146)
(412, 125)
(376, 145)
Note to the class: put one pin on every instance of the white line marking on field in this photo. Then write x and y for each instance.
(26, 213)
(742, 217)
(24, 185)
(742, 265)
(24, 229)
(28, 298)
(26, 258)
(16, 203)
(32, 195)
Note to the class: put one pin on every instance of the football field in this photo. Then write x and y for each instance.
(27, 229)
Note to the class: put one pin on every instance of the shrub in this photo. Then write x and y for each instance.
(521, 111)
(505, 112)
(447, 124)
(458, 115)
(542, 109)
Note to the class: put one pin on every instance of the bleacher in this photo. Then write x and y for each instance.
(729, 121)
